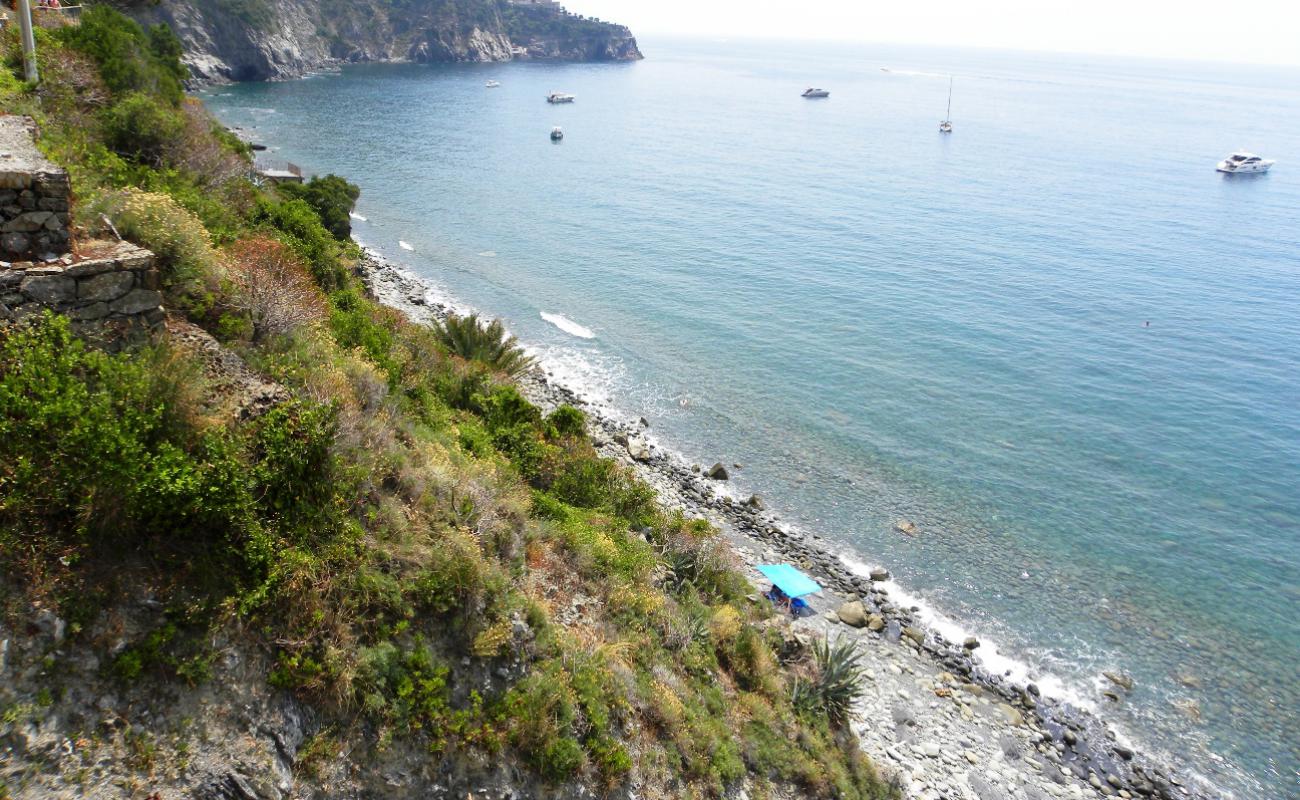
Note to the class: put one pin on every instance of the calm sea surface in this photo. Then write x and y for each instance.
(882, 322)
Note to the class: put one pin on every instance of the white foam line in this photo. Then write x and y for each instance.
(569, 326)
(988, 654)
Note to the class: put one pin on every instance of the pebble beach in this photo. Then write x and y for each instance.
(933, 716)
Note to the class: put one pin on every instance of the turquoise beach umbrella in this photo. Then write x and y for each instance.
(789, 580)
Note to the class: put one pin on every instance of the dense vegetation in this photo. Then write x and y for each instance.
(525, 23)
(406, 526)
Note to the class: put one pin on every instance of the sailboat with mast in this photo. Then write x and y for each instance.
(946, 125)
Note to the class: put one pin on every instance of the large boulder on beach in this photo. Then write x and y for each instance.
(875, 623)
(879, 574)
(755, 502)
(915, 634)
(853, 613)
(717, 472)
(638, 449)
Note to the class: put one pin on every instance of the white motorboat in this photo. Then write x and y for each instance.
(1241, 162)
(493, 84)
(559, 97)
(811, 93)
(946, 125)
(557, 133)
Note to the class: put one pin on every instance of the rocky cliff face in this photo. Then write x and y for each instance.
(251, 40)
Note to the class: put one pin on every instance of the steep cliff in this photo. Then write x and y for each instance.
(250, 40)
(544, 32)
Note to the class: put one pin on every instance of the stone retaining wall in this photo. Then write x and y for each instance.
(111, 295)
(35, 197)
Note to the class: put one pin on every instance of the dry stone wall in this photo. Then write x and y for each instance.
(35, 197)
(111, 297)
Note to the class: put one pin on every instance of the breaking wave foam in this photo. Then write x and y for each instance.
(569, 326)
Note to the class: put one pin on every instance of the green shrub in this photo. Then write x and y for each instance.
(294, 472)
(488, 343)
(588, 481)
(300, 227)
(354, 324)
(129, 59)
(179, 239)
(561, 758)
(566, 421)
(332, 197)
(90, 444)
(140, 127)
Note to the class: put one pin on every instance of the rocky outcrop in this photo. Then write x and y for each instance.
(619, 46)
(276, 40)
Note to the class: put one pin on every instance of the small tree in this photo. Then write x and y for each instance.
(332, 197)
(488, 343)
(270, 285)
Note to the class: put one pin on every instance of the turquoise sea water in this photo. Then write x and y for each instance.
(880, 322)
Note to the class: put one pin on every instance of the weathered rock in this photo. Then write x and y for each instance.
(717, 472)
(905, 526)
(638, 449)
(1120, 679)
(15, 242)
(1010, 714)
(136, 301)
(108, 286)
(853, 613)
(755, 502)
(92, 311)
(50, 624)
(879, 574)
(971, 643)
(875, 623)
(49, 288)
(915, 634)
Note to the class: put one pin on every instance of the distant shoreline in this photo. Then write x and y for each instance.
(1082, 746)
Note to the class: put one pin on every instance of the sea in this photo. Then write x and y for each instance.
(1056, 340)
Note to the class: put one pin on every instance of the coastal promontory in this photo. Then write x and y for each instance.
(252, 40)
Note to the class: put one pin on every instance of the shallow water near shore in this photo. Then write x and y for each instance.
(879, 322)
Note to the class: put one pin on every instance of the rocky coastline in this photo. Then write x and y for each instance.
(280, 41)
(934, 715)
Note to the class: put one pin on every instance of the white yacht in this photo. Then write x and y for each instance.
(1244, 162)
(559, 97)
(946, 125)
(811, 92)
(557, 133)
(493, 84)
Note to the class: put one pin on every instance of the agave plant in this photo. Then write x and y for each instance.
(485, 342)
(838, 682)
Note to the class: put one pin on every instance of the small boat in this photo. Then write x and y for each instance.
(559, 97)
(946, 125)
(493, 84)
(1243, 162)
(811, 93)
(557, 133)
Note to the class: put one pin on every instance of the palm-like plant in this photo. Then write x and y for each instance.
(838, 683)
(485, 342)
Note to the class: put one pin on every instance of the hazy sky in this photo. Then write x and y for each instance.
(1265, 31)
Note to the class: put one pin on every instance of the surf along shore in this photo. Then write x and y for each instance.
(933, 714)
